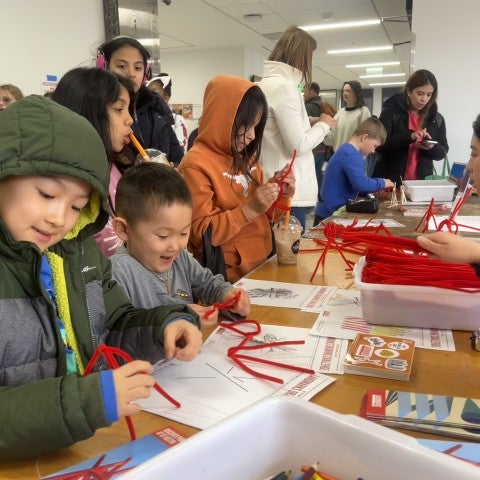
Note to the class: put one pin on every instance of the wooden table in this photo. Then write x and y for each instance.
(454, 373)
(470, 208)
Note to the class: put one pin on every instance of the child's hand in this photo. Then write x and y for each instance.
(201, 310)
(242, 305)
(288, 183)
(261, 201)
(132, 382)
(388, 183)
(182, 340)
(450, 247)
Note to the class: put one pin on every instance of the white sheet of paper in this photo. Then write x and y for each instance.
(463, 222)
(343, 318)
(280, 294)
(212, 387)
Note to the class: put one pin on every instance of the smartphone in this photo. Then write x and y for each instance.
(430, 142)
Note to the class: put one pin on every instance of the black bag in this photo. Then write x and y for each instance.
(363, 205)
(212, 257)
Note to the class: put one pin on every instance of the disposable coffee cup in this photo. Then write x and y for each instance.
(287, 240)
(155, 156)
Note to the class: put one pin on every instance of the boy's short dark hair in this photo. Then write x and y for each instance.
(476, 127)
(372, 127)
(315, 87)
(147, 187)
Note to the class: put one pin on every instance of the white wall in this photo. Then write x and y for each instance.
(447, 45)
(192, 70)
(47, 37)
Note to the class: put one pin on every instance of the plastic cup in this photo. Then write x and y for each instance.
(155, 156)
(287, 240)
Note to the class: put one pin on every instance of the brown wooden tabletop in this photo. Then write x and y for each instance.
(440, 372)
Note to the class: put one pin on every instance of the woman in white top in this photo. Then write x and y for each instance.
(350, 116)
(288, 126)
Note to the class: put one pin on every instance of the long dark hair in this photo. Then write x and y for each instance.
(420, 78)
(89, 92)
(110, 47)
(357, 90)
(252, 105)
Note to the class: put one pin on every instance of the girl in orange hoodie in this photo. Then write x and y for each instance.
(226, 180)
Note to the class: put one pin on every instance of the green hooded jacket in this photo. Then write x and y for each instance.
(41, 407)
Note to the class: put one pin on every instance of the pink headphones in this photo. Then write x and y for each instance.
(101, 62)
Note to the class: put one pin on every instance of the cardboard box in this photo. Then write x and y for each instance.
(425, 190)
(416, 306)
(282, 433)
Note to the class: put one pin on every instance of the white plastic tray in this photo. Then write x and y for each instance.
(282, 433)
(425, 190)
(417, 306)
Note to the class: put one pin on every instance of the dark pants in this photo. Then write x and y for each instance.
(320, 158)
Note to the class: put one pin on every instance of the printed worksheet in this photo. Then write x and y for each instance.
(342, 317)
(213, 387)
(289, 295)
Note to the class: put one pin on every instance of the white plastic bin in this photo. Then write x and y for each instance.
(282, 433)
(417, 306)
(425, 190)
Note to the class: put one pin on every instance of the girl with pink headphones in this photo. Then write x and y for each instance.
(153, 119)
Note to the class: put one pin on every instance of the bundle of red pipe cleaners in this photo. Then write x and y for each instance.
(401, 261)
(393, 260)
(333, 231)
(396, 267)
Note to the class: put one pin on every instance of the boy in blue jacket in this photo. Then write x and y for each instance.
(345, 176)
(57, 299)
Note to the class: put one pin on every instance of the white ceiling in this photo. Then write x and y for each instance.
(206, 24)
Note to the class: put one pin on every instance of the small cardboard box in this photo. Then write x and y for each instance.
(416, 306)
(282, 433)
(425, 190)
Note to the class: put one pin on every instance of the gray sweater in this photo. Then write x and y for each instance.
(186, 282)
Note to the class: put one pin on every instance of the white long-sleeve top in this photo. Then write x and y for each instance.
(289, 129)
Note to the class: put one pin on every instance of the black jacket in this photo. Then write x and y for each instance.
(314, 106)
(393, 153)
(153, 125)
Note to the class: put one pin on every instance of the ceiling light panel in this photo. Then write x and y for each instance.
(379, 48)
(382, 75)
(386, 84)
(375, 64)
(336, 25)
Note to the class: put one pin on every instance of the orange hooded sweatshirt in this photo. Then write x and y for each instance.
(218, 196)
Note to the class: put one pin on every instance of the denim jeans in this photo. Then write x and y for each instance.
(300, 213)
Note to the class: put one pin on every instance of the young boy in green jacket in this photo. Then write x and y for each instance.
(57, 299)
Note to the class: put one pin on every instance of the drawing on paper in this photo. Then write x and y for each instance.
(282, 293)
